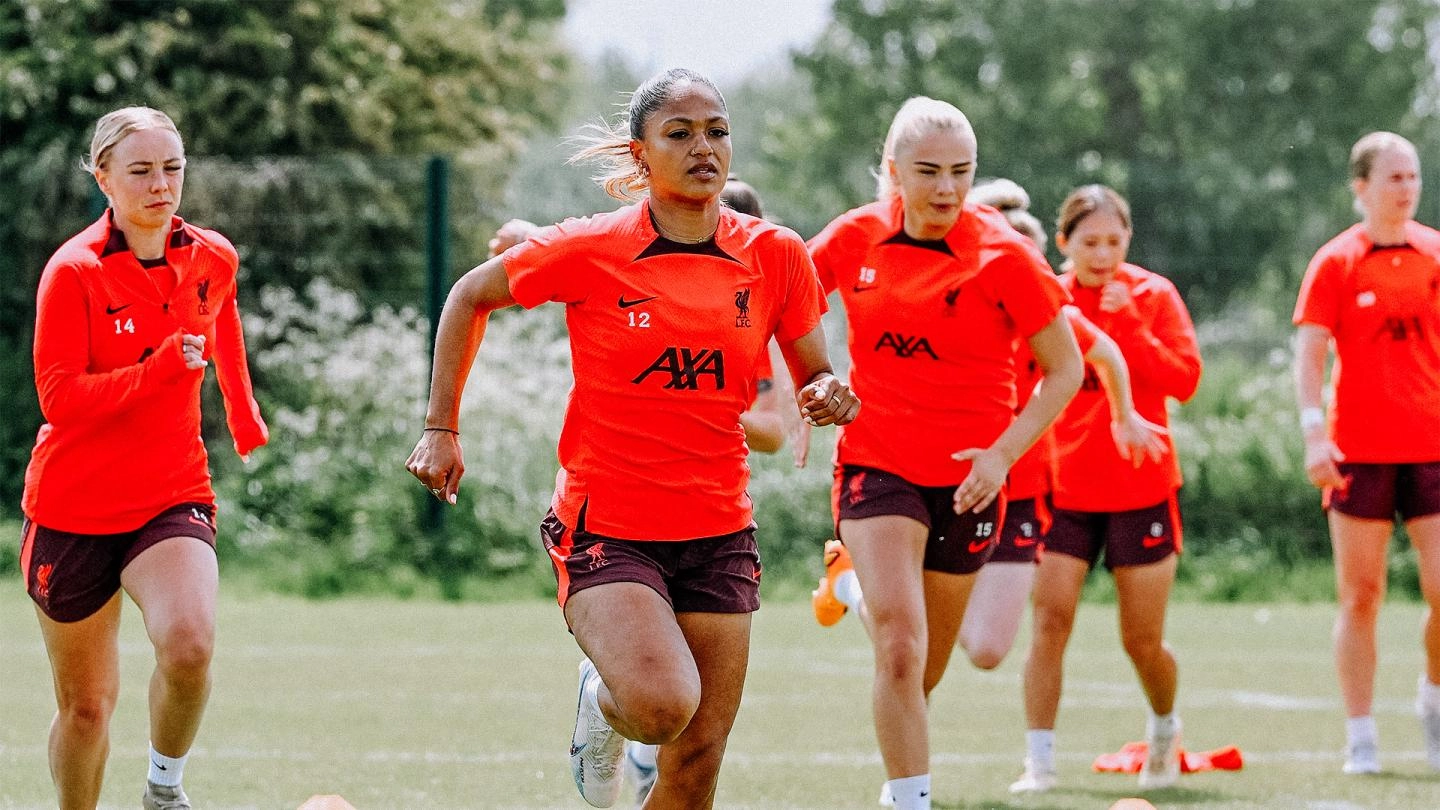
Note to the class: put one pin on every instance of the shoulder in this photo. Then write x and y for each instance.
(612, 231)
(1346, 247)
(82, 251)
(874, 221)
(998, 244)
(1422, 237)
(755, 234)
(212, 241)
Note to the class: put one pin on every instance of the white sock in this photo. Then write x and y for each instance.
(1040, 748)
(911, 792)
(847, 590)
(1161, 725)
(166, 770)
(1361, 730)
(643, 755)
(1429, 693)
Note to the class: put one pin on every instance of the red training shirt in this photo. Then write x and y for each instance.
(1158, 341)
(1382, 305)
(665, 339)
(121, 440)
(933, 327)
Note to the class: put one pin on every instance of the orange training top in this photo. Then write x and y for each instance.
(1382, 305)
(1156, 337)
(1034, 473)
(121, 440)
(933, 326)
(665, 339)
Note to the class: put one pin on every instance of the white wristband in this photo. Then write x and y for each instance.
(1311, 418)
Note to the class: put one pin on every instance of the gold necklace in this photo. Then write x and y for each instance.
(666, 233)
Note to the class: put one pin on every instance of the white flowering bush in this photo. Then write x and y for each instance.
(328, 506)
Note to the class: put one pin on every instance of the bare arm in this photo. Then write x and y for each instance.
(764, 428)
(438, 460)
(822, 398)
(1055, 350)
(1135, 437)
(1312, 347)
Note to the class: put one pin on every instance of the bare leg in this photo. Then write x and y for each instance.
(1144, 593)
(1058, 581)
(175, 582)
(1425, 537)
(85, 665)
(992, 617)
(651, 684)
(1361, 548)
(889, 554)
(689, 765)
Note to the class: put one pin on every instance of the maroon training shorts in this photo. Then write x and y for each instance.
(958, 544)
(708, 575)
(1027, 521)
(1379, 491)
(1128, 538)
(70, 576)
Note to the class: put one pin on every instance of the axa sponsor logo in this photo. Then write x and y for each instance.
(682, 368)
(1398, 329)
(905, 345)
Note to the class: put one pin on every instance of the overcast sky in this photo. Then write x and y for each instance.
(724, 40)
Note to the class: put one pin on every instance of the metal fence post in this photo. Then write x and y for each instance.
(437, 262)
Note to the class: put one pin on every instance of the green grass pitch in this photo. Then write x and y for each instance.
(405, 705)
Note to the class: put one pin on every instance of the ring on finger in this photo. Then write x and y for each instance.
(436, 491)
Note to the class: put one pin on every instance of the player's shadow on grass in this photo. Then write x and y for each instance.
(1103, 798)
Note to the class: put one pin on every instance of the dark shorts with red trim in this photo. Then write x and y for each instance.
(958, 544)
(707, 575)
(1129, 538)
(1027, 521)
(70, 576)
(1381, 491)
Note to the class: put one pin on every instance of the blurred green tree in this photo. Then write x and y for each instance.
(1227, 123)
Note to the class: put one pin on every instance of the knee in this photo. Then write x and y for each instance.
(1361, 600)
(984, 656)
(900, 657)
(88, 712)
(1143, 648)
(1053, 624)
(659, 717)
(184, 652)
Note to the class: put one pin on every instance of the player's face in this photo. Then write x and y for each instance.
(1096, 247)
(686, 146)
(1392, 191)
(143, 177)
(933, 175)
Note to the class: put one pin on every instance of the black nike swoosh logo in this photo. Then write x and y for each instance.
(627, 304)
(158, 765)
(113, 310)
(857, 288)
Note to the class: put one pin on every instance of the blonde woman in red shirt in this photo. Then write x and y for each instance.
(937, 292)
(1105, 502)
(1373, 292)
(117, 494)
